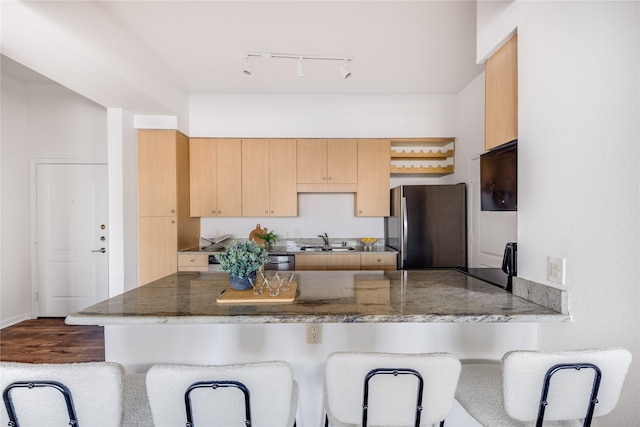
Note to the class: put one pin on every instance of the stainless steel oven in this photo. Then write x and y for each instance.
(280, 262)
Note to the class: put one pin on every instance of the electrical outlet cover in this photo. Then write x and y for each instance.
(556, 270)
(314, 333)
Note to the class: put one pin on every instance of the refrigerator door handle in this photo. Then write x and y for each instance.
(405, 232)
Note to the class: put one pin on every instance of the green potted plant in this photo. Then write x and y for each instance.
(242, 259)
(269, 238)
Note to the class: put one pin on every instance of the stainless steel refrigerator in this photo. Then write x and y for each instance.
(428, 226)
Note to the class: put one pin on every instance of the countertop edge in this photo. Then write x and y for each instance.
(207, 320)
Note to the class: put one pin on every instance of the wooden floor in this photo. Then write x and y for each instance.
(51, 341)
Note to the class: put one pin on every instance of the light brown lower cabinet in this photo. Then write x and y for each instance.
(158, 241)
(328, 262)
(358, 261)
(193, 262)
(378, 261)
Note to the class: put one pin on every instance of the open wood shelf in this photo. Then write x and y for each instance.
(422, 156)
(419, 170)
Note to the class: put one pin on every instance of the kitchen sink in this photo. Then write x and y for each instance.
(326, 249)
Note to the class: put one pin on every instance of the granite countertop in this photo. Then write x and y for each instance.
(289, 246)
(295, 249)
(324, 296)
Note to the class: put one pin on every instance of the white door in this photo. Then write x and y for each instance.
(71, 237)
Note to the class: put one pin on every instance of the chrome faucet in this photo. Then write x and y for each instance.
(325, 238)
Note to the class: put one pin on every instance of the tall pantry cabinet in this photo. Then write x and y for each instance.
(163, 203)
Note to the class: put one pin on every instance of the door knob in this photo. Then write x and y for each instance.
(101, 250)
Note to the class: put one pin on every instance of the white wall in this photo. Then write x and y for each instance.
(15, 300)
(38, 122)
(320, 116)
(579, 104)
(123, 201)
(496, 22)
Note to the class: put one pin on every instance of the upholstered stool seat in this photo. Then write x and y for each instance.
(137, 412)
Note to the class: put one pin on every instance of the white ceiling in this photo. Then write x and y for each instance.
(399, 47)
(414, 47)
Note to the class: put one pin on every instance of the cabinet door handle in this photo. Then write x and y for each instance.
(173, 211)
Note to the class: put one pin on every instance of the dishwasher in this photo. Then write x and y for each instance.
(280, 262)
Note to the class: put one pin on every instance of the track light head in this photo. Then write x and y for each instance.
(300, 68)
(344, 71)
(247, 67)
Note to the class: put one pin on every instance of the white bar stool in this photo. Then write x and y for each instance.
(387, 389)
(253, 394)
(562, 388)
(86, 394)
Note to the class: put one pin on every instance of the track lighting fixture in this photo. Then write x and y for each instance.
(300, 69)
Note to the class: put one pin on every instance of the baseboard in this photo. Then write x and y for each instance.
(5, 323)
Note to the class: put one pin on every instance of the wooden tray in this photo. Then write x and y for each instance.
(231, 296)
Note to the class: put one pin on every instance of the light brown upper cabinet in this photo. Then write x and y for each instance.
(327, 165)
(283, 195)
(374, 168)
(163, 200)
(216, 177)
(501, 95)
(269, 177)
(158, 159)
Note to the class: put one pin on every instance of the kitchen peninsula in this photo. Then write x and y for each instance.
(324, 297)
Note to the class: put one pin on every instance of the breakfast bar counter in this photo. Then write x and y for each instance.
(412, 296)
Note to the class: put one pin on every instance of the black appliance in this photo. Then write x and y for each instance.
(499, 178)
(502, 277)
(510, 263)
(510, 259)
(428, 226)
